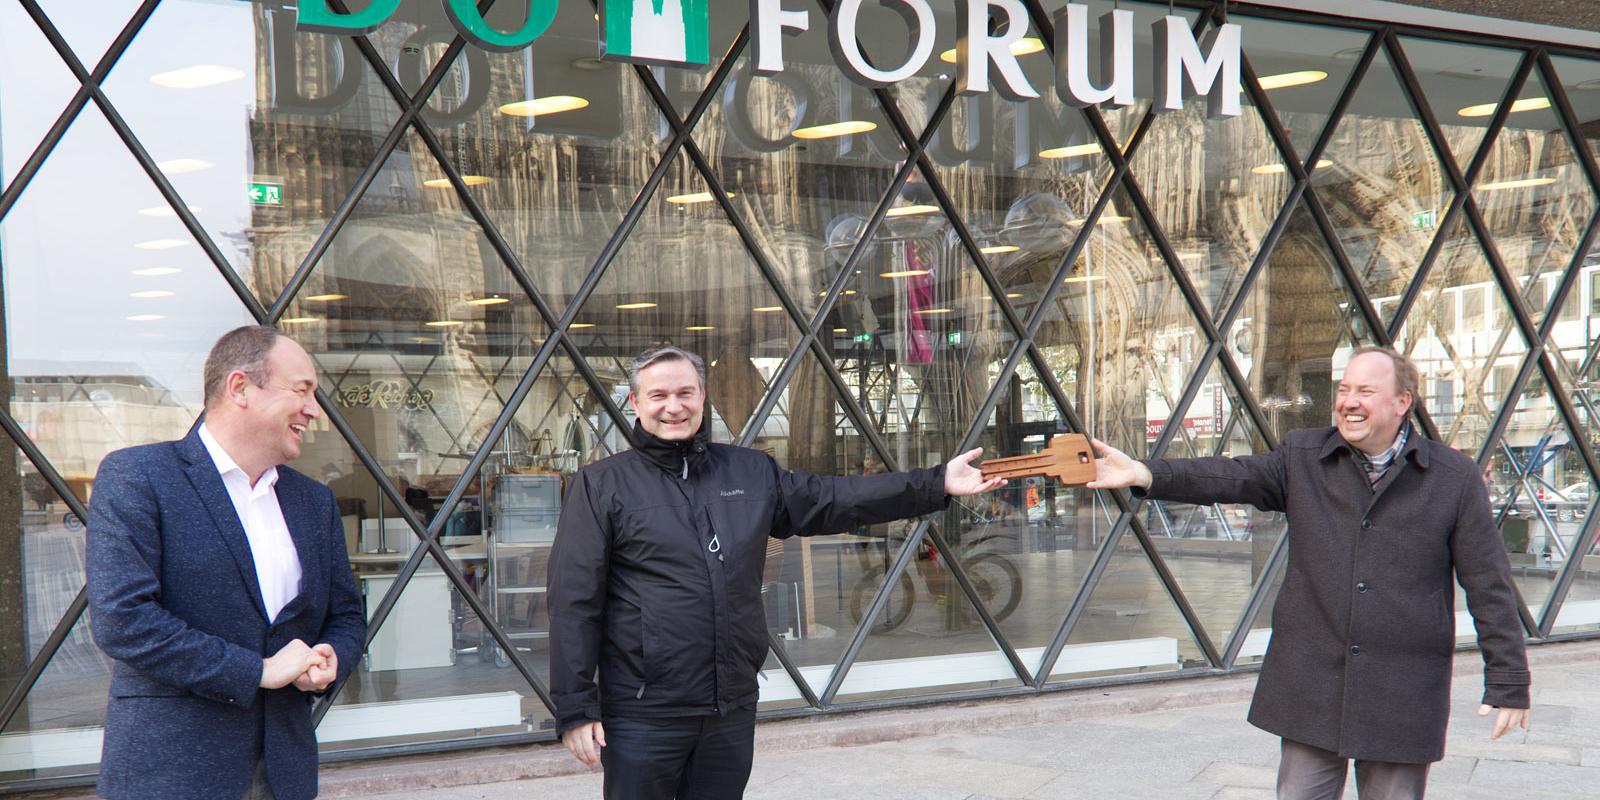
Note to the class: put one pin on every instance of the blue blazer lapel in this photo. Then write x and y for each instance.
(203, 476)
(299, 514)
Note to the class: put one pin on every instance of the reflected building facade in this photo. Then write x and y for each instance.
(473, 244)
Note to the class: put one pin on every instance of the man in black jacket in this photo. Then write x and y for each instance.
(655, 579)
(1382, 522)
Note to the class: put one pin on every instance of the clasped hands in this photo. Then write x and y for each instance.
(308, 668)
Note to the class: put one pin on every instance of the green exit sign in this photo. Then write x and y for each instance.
(266, 194)
(864, 338)
(1425, 220)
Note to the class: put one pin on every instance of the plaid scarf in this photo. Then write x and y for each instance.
(1379, 464)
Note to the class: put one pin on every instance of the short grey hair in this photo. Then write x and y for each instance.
(658, 355)
(239, 350)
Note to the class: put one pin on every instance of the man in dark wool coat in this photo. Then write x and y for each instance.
(1363, 632)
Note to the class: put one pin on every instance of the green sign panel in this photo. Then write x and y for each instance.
(266, 194)
(1425, 220)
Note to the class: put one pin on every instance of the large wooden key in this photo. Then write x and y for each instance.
(1068, 458)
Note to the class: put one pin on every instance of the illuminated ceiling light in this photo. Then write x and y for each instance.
(841, 330)
(161, 244)
(303, 320)
(1287, 79)
(1084, 278)
(635, 306)
(153, 272)
(847, 293)
(832, 129)
(576, 325)
(697, 197)
(152, 294)
(1488, 109)
(935, 311)
(904, 273)
(1014, 295)
(326, 298)
(470, 180)
(1112, 219)
(178, 166)
(1071, 151)
(700, 327)
(1274, 169)
(907, 211)
(164, 211)
(996, 249)
(540, 106)
(1525, 183)
(196, 77)
(491, 300)
(767, 309)
(145, 317)
(444, 323)
(1020, 47)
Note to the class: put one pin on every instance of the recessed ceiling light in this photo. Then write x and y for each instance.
(1525, 183)
(302, 320)
(697, 197)
(1014, 295)
(700, 327)
(766, 309)
(153, 272)
(635, 306)
(1349, 53)
(161, 244)
(588, 63)
(196, 77)
(841, 330)
(1488, 109)
(912, 210)
(540, 106)
(1084, 278)
(1112, 219)
(1274, 169)
(145, 317)
(1286, 79)
(1071, 151)
(470, 180)
(164, 211)
(847, 293)
(934, 311)
(444, 323)
(904, 273)
(326, 298)
(1020, 47)
(178, 166)
(151, 294)
(832, 129)
(491, 300)
(576, 325)
(997, 249)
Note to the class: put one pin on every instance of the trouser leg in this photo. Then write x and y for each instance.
(1385, 780)
(1310, 773)
(644, 759)
(719, 768)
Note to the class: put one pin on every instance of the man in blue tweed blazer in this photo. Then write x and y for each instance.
(220, 585)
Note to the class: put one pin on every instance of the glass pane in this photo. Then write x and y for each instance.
(1130, 624)
(1534, 197)
(1463, 84)
(1571, 504)
(56, 731)
(133, 376)
(44, 544)
(35, 86)
(1383, 186)
(261, 129)
(1254, 647)
(1303, 69)
(89, 34)
(1465, 343)
(1581, 79)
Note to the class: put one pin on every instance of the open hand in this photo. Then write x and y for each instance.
(1506, 720)
(962, 479)
(584, 741)
(1115, 470)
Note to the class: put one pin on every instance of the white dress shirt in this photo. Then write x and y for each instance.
(277, 561)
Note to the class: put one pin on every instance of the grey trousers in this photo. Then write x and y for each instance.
(1311, 773)
(258, 788)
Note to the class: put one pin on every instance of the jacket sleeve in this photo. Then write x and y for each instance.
(812, 504)
(577, 595)
(124, 587)
(1481, 566)
(1257, 480)
(345, 626)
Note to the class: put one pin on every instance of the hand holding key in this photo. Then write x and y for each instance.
(1067, 458)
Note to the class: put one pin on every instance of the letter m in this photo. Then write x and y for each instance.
(665, 32)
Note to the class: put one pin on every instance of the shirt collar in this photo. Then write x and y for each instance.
(226, 464)
(1413, 448)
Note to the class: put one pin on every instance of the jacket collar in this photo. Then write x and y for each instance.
(1414, 448)
(674, 457)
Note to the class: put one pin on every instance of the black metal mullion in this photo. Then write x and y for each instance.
(1086, 587)
(1586, 538)
(1276, 560)
(869, 617)
(953, 562)
(1569, 119)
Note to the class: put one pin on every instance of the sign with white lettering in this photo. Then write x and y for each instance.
(676, 33)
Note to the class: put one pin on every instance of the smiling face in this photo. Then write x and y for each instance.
(1369, 406)
(276, 414)
(670, 401)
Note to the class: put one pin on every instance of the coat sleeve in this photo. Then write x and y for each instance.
(1479, 556)
(1258, 480)
(812, 504)
(345, 626)
(579, 564)
(124, 587)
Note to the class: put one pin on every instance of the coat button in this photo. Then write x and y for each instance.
(1366, 524)
(1355, 649)
(1361, 587)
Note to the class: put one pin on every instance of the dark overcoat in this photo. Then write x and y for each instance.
(1363, 629)
(174, 600)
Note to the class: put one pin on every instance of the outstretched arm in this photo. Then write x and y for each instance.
(1114, 469)
(962, 479)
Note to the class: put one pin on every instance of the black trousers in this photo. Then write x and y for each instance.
(682, 758)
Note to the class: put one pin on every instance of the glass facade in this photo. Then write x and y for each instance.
(472, 244)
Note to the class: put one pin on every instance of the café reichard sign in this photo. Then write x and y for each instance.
(675, 33)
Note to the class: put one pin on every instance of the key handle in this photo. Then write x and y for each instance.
(1069, 458)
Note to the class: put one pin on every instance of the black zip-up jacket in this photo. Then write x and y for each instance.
(655, 577)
